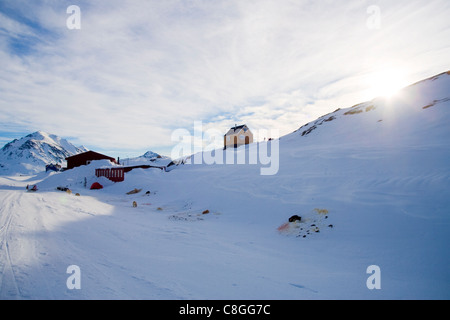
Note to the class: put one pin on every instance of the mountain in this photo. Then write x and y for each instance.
(33, 152)
(148, 158)
(151, 155)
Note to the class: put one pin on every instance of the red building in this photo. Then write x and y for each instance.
(118, 174)
(113, 174)
(85, 158)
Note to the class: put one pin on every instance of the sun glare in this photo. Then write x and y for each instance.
(385, 83)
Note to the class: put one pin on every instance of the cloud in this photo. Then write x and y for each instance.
(136, 71)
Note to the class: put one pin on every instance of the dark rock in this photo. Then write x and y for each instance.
(295, 218)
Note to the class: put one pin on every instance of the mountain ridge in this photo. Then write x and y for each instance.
(31, 153)
(385, 117)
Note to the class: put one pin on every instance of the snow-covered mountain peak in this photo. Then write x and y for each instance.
(33, 152)
(151, 155)
(40, 135)
(148, 158)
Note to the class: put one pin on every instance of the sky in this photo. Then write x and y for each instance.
(120, 77)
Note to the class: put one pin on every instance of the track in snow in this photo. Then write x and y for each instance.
(8, 283)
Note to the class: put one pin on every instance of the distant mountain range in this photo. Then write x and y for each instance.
(33, 152)
(30, 154)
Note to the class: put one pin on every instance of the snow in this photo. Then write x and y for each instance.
(377, 192)
(30, 154)
(149, 158)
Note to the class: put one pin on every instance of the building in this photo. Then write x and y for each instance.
(117, 174)
(113, 174)
(237, 136)
(85, 158)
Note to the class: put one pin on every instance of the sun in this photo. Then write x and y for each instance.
(385, 83)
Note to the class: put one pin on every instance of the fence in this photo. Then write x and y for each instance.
(113, 174)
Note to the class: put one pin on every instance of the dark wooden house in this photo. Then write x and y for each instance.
(85, 158)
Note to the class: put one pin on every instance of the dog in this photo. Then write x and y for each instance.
(134, 204)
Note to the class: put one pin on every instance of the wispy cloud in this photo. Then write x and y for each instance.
(136, 71)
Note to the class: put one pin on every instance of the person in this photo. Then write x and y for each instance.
(34, 188)
(28, 186)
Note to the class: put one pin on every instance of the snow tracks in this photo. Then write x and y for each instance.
(8, 282)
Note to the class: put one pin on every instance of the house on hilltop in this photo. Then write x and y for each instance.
(237, 136)
(85, 158)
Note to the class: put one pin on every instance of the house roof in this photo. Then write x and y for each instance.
(236, 129)
(91, 153)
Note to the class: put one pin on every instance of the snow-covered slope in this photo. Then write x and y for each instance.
(31, 153)
(370, 183)
(414, 115)
(148, 158)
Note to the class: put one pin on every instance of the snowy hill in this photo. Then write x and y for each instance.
(410, 117)
(150, 158)
(31, 153)
(370, 184)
